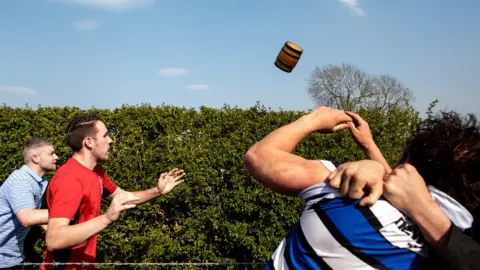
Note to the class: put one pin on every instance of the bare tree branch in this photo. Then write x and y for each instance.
(347, 87)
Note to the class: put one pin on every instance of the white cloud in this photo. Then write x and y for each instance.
(198, 87)
(17, 90)
(110, 5)
(87, 24)
(353, 6)
(173, 72)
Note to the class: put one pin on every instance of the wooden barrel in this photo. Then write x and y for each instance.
(288, 56)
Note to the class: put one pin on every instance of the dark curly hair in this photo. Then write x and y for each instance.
(445, 150)
(81, 126)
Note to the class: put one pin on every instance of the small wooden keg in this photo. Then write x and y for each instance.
(288, 56)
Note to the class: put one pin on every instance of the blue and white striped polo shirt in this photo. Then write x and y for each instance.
(22, 189)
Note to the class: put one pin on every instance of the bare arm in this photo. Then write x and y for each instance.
(363, 137)
(30, 217)
(432, 222)
(373, 152)
(143, 195)
(271, 161)
(61, 235)
(166, 183)
(406, 190)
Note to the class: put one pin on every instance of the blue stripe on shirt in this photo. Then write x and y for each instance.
(351, 228)
(297, 254)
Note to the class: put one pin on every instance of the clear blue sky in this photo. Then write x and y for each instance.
(106, 53)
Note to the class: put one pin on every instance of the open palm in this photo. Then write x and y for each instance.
(168, 181)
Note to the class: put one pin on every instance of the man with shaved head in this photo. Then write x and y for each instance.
(21, 197)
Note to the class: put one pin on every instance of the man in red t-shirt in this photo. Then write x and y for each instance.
(75, 193)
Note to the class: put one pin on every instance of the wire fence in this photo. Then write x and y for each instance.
(146, 265)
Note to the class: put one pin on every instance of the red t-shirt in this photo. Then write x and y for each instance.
(75, 192)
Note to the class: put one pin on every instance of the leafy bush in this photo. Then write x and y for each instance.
(220, 214)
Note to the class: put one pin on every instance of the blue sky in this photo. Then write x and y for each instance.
(106, 53)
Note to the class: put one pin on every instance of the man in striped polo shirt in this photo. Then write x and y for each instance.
(336, 232)
(21, 197)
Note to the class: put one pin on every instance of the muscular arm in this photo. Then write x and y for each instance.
(271, 161)
(30, 217)
(61, 235)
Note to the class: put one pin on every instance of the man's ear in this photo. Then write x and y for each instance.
(88, 141)
(35, 159)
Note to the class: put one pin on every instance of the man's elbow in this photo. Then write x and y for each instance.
(52, 244)
(23, 220)
(24, 223)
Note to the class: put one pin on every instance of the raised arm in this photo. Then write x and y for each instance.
(363, 137)
(272, 163)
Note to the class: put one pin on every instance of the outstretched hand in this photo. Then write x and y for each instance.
(168, 181)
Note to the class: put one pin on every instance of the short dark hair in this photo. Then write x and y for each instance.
(445, 150)
(33, 143)
(80, 126)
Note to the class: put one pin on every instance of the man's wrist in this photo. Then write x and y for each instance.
(155, 191)
(105, 220)
(369, 147)
(305, 124)
(433, 222)
(421, 209)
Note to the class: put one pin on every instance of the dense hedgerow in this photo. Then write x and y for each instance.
(220, 214)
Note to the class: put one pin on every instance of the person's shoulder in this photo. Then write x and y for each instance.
(65, 173)
(17, 176)
(98, 169)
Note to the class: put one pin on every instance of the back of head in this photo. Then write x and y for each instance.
(80, 127)
(445, 150)
(33, 143)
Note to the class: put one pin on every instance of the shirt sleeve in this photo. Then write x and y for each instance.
(460, 252)
(20, 195)
(109, 186)
(64, 197)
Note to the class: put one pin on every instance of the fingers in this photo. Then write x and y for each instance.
(334, 179)
(127, 206)
(352, 127)
(343, 117)
(345, 185)
(175, 173)
(375, 194)
(126, 198)
(355, 117)
(355, 190)
(179, 182)
(341, 127)
(179, 177)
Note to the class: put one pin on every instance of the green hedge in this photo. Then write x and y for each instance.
(220, 214)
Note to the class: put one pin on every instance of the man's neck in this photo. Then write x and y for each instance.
(36, 169)
(85, 159)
